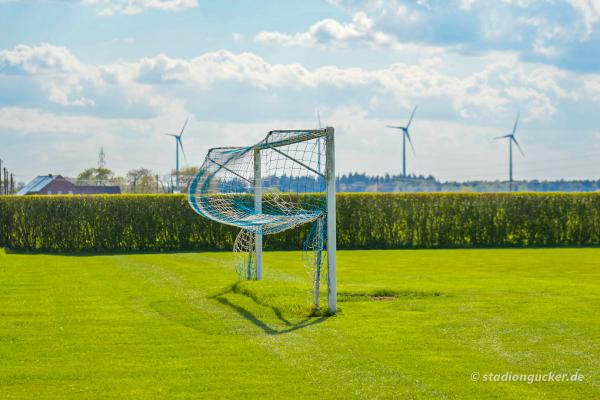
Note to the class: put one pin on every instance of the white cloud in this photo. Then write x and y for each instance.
(541, 30)
(154, 83)
(66, 81)
(496, 88)
(589, 11)
(333, 33)
(592, 87)
(131, 7)
(44, 58)
(31, 120)
(60, 74)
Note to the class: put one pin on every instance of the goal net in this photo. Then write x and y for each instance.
(281, 182)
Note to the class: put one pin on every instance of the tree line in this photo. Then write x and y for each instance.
(137, 180)
(361, 182)
(144, 180)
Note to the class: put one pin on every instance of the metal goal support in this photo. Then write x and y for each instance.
(330, 191)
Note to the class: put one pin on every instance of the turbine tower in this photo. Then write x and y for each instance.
(511, 138)
(405, 135)
(178, 144)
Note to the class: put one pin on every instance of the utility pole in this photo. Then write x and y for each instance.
(5, 180)
(101, 158)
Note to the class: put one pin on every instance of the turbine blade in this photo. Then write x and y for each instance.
(182, 151)
(411, 117)
(395, 127)
(516, 122)
(184, 125)
(502, 137)
(519, 147)
(170, 134)
(410, 142)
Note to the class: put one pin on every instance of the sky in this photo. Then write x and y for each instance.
(78, 75)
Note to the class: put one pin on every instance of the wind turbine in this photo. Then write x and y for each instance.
(178, 144)
(405, 135)
(511, 138)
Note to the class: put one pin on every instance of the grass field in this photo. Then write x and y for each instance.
(413, 324)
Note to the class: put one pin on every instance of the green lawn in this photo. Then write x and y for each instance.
(177, 326)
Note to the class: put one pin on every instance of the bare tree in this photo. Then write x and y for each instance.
(141, 180)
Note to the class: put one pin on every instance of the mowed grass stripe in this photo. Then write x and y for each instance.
(106, 336)
(178, 325)
(307, 350)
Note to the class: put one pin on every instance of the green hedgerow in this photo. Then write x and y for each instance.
(125, 223)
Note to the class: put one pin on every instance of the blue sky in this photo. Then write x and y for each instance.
(76, 75)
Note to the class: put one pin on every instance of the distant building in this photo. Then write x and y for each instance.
(56, 184)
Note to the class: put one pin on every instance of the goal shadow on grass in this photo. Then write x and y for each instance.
(289, 326)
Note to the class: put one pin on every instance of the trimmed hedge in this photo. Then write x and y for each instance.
(123, 223)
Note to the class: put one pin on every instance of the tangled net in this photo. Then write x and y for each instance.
(259, 189)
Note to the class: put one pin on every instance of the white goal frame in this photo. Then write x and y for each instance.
(330, 192)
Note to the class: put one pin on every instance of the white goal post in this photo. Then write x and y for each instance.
(331, 220)
(261, 189)
(258, 245)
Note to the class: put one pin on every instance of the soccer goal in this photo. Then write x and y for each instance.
(286, 180)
